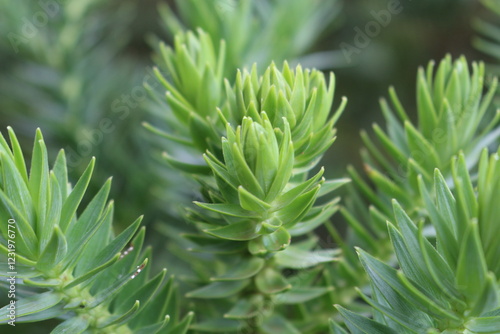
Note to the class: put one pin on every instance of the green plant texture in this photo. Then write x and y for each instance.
(488, 40)
(449, 287)
(454, 115)
(72, 266)
(255, 184)
(253, 30)
(228, 134)
(89, 98)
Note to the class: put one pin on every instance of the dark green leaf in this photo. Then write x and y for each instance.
(228, 209)
(219, 289)
(299, 295)
(246, 268)
(217, 326)
(278, 325)
(33, 304)
(117, 320)
(75, 197)
(245, 230)
(74, 325)
(362, 325)
(113, 289)
(471, 268)
(483, 325)
(246, 308)
(277, 240)
(54, 252)
(269, 281)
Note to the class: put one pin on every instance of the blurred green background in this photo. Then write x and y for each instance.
(78, 76)
(112, 51)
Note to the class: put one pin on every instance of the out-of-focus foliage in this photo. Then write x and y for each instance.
(489, 39)
(454, 114)
(65, 75)
(256, 31)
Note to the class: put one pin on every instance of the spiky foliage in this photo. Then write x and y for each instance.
(299, 97)
(258, 208)
(233, 34)
(66, 74)
(447, 283)
(453, 116)
(255, 184)
(302, 97)
(489, 40)
(254, 30)
(194, 89)
(194, 73)
(66, 260)
(237, 34)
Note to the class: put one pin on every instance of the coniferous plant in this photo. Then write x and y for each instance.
(253, 30)
(250, 130)
(488, 40)
(454, 115)
(70, 263)
(442, 279)
(216, 38)
(255, 185)
(66, 74)
(447, 283)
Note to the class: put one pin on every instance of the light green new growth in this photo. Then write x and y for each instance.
(302, 98)
(275, 129)
(194, 91)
